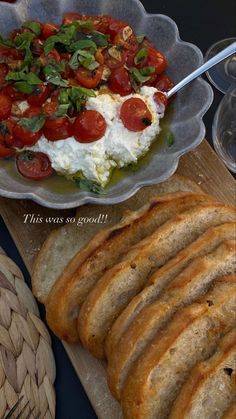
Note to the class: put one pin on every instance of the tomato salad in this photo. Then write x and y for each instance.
(48, 72)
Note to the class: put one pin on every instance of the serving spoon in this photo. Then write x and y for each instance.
(225, 53)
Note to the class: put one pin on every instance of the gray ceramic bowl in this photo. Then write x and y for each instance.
(185, 122)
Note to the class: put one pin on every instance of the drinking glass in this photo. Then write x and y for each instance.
(223, 74)
(224, 129)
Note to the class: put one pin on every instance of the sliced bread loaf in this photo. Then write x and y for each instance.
(164, 275)
(121, 283)
(192, 336)
(103, 251)
(211, 387)
(184, 289)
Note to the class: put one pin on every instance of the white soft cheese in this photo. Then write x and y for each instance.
(117, 148)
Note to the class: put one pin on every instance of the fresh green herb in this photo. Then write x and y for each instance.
(82, 44)
(32, 124)
(137, 75)
(24, 87)
(88, 185)
(30, 78)
(141, 56)
(140, 38)
(33, 26)
(74, 97)
(23, 40)
(170, 139)
(62, 110)
(100, 39)
(84, 58)
(52, 73)
(146, 71)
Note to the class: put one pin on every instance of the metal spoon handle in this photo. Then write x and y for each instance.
(231, 49)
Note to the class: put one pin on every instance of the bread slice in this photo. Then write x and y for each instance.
(103, 251)
(211, 386)
(231, 412)
(204, 244)
(192, 336)
(185, 288)
(122, 282)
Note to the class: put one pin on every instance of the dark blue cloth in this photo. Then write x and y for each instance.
(203, 23)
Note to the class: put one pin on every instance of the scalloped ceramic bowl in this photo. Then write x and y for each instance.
(186, 118)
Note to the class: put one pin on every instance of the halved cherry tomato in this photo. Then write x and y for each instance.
(57, 128)
(6, 151)
(34, 165)
(25, 136)
(32, 111)
(163, 83)
(40, 94)
(53, 55)
(6, 142)
(3, 72)
(48, 30)
(89, 79)
(119, 82)
(135, 114)
(5, 107)
(112, 62)
(155, 59)
(129, 43)
(50, 108)
(160, 99)
(13, 93)
(101, 23)
(89, 126)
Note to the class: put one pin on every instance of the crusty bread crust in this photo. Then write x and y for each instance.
(200, 384)
(192, 336)
(121, 283)
(231, 412)
(204, 244)
(102, 252)
(189, 285)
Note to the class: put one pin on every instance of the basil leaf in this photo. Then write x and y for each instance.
(57, 81)
(64, 96)
(78, 91)
(30, 78)
(88, 185)
(34, 26)
(141, 56)
(140, 38)
(82, 44)
(62, 110)
(146, 71)
(83, 24)
(23, 40)
(74, 63)
(138, 77)
(100, 39)
(32, 124)
(52, 73)
(23, 87)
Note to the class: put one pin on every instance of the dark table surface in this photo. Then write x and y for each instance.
(201, 22)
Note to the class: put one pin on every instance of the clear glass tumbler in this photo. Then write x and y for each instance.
(224, 129)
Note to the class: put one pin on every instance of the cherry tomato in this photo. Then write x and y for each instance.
(112, 62)
(119, 82)
(48, 30)
(13, 93)
(40, 94)
(5, 107)
(71, 17)
(3, 72)
(89, 126)
(25, 136)
(155, 59)
(55, 94)
(34, 165)
(163, 83)
(57, 128)
(32, 111)
(114, 27)
(89, 79)
(11, 53)
(101, 23)
(160, 99)
(53, 55)
(50, 108)
(135, 114)
(129, 44)
(6, 142)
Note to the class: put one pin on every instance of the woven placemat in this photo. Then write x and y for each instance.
(27, 366)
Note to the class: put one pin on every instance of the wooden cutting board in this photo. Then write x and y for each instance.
(201, 165)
